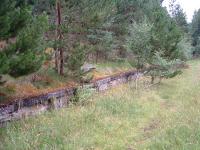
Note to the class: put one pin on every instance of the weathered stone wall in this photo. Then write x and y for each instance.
(21, 108)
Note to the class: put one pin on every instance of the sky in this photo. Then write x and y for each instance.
(189, 6)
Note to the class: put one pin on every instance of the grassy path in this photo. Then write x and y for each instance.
(164, 117)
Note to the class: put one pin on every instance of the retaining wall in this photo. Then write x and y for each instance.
(22, 108)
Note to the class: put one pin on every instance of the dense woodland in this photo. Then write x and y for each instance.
(64, 34)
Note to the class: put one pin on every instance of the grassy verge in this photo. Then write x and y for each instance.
(166, 116)
(46, 79)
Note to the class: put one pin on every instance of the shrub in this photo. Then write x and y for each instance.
(82, 95)
(163, 68)
(25, 63)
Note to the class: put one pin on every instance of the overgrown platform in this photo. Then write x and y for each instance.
(15, 109)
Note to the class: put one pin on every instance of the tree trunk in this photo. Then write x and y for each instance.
(60, 58)
(56, 42)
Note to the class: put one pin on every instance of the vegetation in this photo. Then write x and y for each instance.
(25, 55)
(104, 27)
(161, 117)
(14, 16)
(44, 45)
(195, 31)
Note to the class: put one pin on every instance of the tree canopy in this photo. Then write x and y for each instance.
(108, 29)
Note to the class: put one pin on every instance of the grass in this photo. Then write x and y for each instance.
(104, 69)
(24, 87)
(163, 117)
(113, 67)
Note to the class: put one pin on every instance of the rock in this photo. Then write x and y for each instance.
(87, 68)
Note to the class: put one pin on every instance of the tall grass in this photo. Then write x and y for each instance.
(166, 116)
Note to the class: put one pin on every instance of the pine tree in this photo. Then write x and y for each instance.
(195, 31)
(13, 16)
(138, 42)
(178, 15)
(26, 54)
(155, 42)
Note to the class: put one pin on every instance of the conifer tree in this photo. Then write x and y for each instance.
(25, 55)
(195, 31)
(178, 15)
(14, 16)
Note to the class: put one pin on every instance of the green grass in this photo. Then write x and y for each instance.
(110, 67)
(166, 116)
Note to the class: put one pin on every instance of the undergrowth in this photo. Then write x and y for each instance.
(49, 80)
(165, 116)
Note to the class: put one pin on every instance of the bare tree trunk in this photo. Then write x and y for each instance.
(56, 53)
(60, 58)
(56, 44)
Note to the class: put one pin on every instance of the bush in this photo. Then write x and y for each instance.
(82, 95)
(25, 63)
(163, 68)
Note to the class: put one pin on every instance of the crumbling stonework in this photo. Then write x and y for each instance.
(21, 108)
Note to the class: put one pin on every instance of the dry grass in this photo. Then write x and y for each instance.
(163, 117)
(46, 80)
